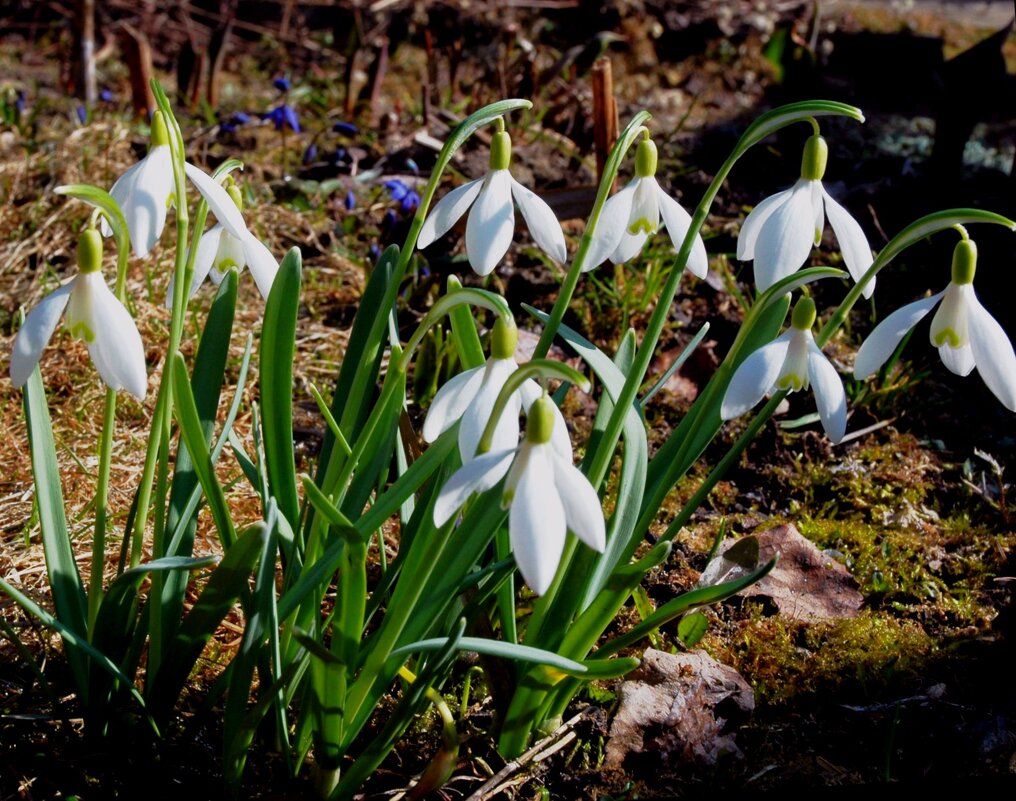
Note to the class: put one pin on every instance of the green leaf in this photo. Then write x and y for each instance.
(692, 628)
(467, 341)
(194, 437)
(227, 583)
(504, 650)
(64, 580)
(278, 345)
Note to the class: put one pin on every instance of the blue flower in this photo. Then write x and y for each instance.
(282, 84)
(398, 189)
(19, 101)
(389, 219)
(345, 128)
(283, 116)
(106, 96)
(410, 201)
(350, 200)
(375, 252)
(82, 113)
(310, 154)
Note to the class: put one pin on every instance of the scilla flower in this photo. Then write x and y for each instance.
(545, 494)
(781, 230)
(94, 315)
(145, 191)
(634, 214)
(491, 221)
(792, 361)
(229, 243)
(469, 397)
(964, 333)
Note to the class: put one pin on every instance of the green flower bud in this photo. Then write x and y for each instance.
(234, 192)
(645, 159)
(503, 339)
(160, 133)
(500, 151)
(813, 162)
(804, 314)
(964, 262)
(540, 421)
(90, 251)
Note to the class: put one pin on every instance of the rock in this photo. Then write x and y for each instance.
(806, 584)
(677, 706)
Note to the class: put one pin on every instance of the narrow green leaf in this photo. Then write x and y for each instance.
(504, 650)
(278, 345)
(692, 628)
(467, 341)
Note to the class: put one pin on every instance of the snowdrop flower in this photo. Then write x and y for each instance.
(491, 221)
(964, 333)
(94, 315)
(227, 244)
(792, 361)
(469, 399)
(145, 191)
(634, 214)
(545, 494)
(780, 231)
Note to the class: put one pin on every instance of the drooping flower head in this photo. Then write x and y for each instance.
(94, 315)
(966, 335)
(545, 495)
(637, 212)
(781, 230)
(491, 204)
(790, 362)
(469, 399)
(145, 192)
(228, 243)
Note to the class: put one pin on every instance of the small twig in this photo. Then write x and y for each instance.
(546, 747)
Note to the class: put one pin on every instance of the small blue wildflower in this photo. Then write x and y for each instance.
(398, 189)
(389, 219)
(410, 201)
(19, 101)
(345, 128)
(240, 118)
(283, 116)
(106, 96)
(350, 200)
(375, 252)
(310, 154)
(82, 113)
(281, 83)
(340, 156)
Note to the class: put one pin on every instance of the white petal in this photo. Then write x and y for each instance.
(582, 509)
(450, 402)
(477, 413)
(536, 523)
(817, 210)
(629, 247)
(880, 344)
(36, 333)
(143, 195)
(786, 239)
(219, 201)
(543, 224)
(958, 360)
(560, 440)
(609, 228)
(677, 222)
(262, 264)
(491, 223)
(447, 212)
(829, 395)
(116, 347)
(853, 243)
(476, 475)
(993, 353)
(120, 191)
(204, 260)
(748, 236)
(755, 376)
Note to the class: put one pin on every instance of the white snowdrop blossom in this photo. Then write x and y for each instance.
(145, 191)
(469, 399)
(94, 315)
(966, 335)
(545, 494)
(634, 214)
(220, 249)
(228, 244)
(781, 230)
(792, 361)
(491, 204)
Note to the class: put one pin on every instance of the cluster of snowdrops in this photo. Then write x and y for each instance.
(485, 500)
